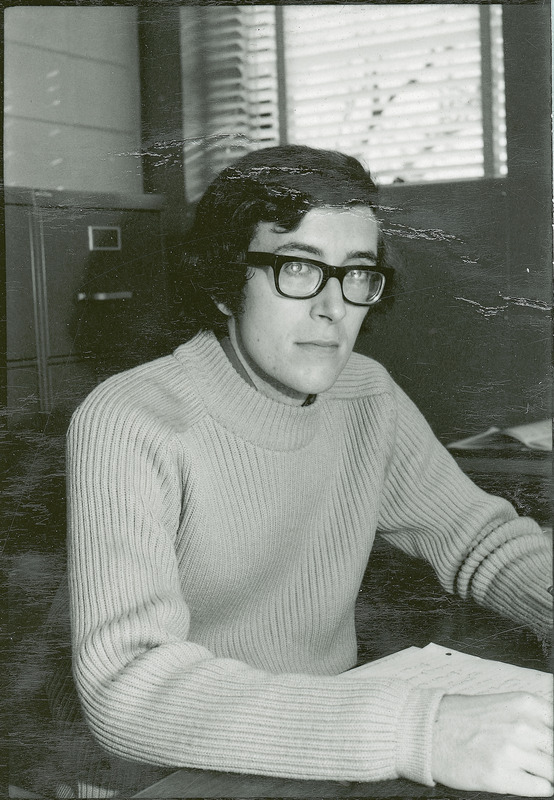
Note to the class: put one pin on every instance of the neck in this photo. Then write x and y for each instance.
(263, 382)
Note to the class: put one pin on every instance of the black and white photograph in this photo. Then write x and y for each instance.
(275, 409)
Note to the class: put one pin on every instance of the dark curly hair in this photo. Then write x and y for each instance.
(276, 184)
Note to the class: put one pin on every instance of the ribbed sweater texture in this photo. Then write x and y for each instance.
(217, 543)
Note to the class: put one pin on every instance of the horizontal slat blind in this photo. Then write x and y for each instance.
(397, 86)
(230, 87)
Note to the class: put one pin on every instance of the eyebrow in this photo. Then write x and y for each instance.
(315, 251)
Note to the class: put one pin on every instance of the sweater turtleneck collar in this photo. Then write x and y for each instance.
(238, 406)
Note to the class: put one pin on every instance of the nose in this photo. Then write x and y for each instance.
(329, 303)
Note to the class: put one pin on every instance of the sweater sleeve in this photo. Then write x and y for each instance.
(476, 542)
(148, 692)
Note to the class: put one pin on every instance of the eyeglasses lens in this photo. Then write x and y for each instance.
(299, 279)
(302, 279)
(362, 286)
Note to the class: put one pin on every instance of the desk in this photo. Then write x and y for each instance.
(391, 614)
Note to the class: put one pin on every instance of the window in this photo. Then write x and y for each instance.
(415, 92)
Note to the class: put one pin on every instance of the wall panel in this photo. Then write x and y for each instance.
(72, 99)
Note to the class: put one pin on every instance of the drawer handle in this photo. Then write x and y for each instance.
(105, 296)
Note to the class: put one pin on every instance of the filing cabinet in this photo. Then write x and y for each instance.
(86, 293)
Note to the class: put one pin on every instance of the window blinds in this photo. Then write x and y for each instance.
(230, 87)
(397, 86)
(414, 91)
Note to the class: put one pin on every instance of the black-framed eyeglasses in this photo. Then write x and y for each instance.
(301, 278)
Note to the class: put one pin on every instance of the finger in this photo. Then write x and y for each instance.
(538, 738)
(545, 711)
(526, 785)
(538, 764)
(545, 743)
(534, 709)
(548, 715)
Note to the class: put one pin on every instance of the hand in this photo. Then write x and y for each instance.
(495, 743)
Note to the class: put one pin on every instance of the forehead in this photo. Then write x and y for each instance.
(355, 228)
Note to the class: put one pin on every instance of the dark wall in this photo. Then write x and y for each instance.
(470, 335)
(444, 339)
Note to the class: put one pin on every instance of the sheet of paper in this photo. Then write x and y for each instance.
(389, 665)
(533, 435)
(478, 440)
(536, 435)
(459, 673)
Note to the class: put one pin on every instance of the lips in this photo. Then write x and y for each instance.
(319, 343)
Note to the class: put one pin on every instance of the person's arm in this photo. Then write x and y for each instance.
(477, 543)
(151, 694)
(478, 547)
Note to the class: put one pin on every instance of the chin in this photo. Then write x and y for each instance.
(316, 384)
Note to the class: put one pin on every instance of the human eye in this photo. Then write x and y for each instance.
(298, 268)
(299, 278)
(359, 273)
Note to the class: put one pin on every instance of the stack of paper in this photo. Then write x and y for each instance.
(434, 666)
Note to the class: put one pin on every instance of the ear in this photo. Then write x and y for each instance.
(222, 307)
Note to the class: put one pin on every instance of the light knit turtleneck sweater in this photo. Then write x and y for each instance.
(217, 542)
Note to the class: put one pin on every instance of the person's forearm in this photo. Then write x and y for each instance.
(511, 574)
(176, 706)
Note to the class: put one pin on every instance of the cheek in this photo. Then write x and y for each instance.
(267, 318)
(257, 316)
(355, 321)
(259, 324)
(264, 333)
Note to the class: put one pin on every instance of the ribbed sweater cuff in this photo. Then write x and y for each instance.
(415, 738)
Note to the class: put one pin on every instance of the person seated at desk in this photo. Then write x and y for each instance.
(223, 504)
